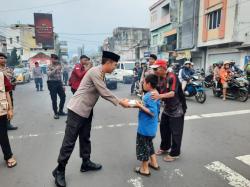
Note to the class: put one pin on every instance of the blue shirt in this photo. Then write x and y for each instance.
(147, 123)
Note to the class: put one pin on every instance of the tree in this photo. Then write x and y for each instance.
(13, 59)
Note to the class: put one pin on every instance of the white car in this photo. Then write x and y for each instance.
(124, 71)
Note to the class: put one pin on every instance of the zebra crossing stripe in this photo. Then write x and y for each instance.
(245, 159)
(234, 179)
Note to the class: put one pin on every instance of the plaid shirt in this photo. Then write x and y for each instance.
(8, 72)
(54, 74)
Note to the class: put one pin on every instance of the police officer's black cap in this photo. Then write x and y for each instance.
(153, 56)
(54, 56)
(110, 55)
(3, 55)
(84, 56)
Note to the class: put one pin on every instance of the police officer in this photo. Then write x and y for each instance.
(55, 86)
(80, 112)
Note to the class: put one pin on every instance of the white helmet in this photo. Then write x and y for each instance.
(187, 62)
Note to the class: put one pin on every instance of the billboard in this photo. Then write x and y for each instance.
(44, 30)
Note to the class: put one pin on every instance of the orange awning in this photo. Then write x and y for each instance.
(169, 33)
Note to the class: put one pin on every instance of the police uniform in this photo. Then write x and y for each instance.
(80, 113)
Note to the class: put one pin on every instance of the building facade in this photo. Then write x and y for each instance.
(224, 28)
(3, 44)
(129, 43)
(163, 31)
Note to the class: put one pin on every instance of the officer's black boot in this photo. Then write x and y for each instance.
(59, 174)
(87, 165)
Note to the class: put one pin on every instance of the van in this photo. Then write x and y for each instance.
(124, 71)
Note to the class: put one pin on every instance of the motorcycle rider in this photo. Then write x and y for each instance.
(247, 71)
(185, 75)
(217, 73)
(235, 68)
(225, 76)
(136, 72)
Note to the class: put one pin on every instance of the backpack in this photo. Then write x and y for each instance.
(3, 98)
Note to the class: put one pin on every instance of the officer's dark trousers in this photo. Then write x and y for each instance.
(4, 140)
(56, 87)
(76, 126)
(171, 129)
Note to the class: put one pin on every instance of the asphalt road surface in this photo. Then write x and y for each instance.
(215, 149)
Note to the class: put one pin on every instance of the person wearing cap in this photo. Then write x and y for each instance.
(80, 113)
(38, 77)
(148, 70)
(172, 119)
(78, 73)
(225, 75)
(8, 72)
(55, 86)
(185, 75)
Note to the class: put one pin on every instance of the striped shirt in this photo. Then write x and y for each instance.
(54, 72)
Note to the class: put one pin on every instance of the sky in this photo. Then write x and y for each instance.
(96, 18)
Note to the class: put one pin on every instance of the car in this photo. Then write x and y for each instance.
(22, 75)
(111, 81)
(124, 72)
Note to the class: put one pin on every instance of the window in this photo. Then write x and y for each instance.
(17, 39)
(165, 10)
(155, 39)
(153, 17)
(214, 19)
(11, 41)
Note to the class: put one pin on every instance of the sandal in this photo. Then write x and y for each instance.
(170, 158)
(138, 171)
(153, 167)
(11, 163)
(161, 152)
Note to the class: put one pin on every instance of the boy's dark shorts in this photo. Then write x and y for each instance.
(144, 147)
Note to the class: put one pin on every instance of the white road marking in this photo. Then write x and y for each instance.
(33, 135)
(245, 159)
(176, 172)
(97, 127)
(137, 182)
(132, 124)
(120, 125)
(222, 114)
(59, 132)
(111, 126)
(234, 179)
(192, 117)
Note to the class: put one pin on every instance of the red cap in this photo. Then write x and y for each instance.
(160, 63)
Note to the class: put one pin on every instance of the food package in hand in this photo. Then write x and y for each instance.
(132, 103)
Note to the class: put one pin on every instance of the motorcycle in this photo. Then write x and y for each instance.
(208, 81)
(195, 89)
(237, 89)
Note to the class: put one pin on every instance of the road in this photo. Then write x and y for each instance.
(215, 150)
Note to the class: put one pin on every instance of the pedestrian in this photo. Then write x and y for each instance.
(172, 119)
(80, 113)
(136, 72)
(78, 73)
(38, 77)
(147, 127)
(55, 86)
(66, 71)
(147, 71)
(6, 114)
(8, 72)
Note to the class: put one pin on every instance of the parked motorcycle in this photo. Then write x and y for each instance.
(195, 89)
(238, 89)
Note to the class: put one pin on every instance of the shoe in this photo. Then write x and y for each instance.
(37, 90)
(56, 116)
(11, 127)
(41, 90)
(186, 93)
(59, 178)
(90, 166)
(62, 113)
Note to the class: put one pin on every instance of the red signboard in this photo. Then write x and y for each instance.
(44, 30)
